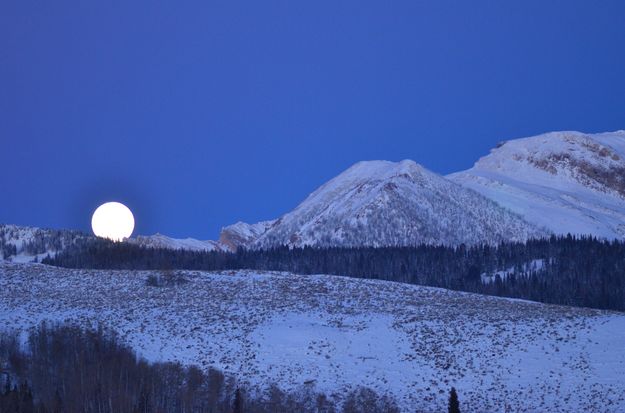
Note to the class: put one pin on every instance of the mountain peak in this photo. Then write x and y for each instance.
(569, 181)
(383, 203)
(382, 169)
(562, 158)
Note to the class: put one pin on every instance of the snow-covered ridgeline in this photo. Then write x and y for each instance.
(568, 182)
(163, 241)
(559, 182)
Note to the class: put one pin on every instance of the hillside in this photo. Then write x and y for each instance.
(568, 182)
(335, 333)
(27, 244)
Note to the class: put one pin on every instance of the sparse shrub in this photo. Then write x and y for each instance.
(153, 281)
(166, 278)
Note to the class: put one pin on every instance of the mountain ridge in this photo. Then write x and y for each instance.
(552, 183)
(568, 182)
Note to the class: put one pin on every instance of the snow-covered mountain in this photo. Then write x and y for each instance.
(381, 203)
(560, 182)
(242, 234)
(568, 182)
(163, 241)
(336, 333)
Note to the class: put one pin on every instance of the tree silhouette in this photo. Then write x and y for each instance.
(454, 404)
(237, 406)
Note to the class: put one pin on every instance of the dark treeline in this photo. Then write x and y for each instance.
(67, 369)
(560, 270)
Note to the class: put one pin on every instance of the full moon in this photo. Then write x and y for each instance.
(113, 221)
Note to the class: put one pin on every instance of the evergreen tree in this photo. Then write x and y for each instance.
(454, 404)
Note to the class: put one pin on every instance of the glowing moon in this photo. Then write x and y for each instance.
(113, 221)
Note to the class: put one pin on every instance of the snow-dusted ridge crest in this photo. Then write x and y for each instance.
(337, 333)
(567, 182)
(163, 241)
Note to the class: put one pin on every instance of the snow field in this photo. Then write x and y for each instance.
(336, 333)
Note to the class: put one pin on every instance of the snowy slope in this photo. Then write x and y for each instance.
(242, 234)
(413, 342)
(163, 241)
(568, 182)
(25, 244)
(381, 203)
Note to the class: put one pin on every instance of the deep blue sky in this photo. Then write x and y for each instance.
(199, 114)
